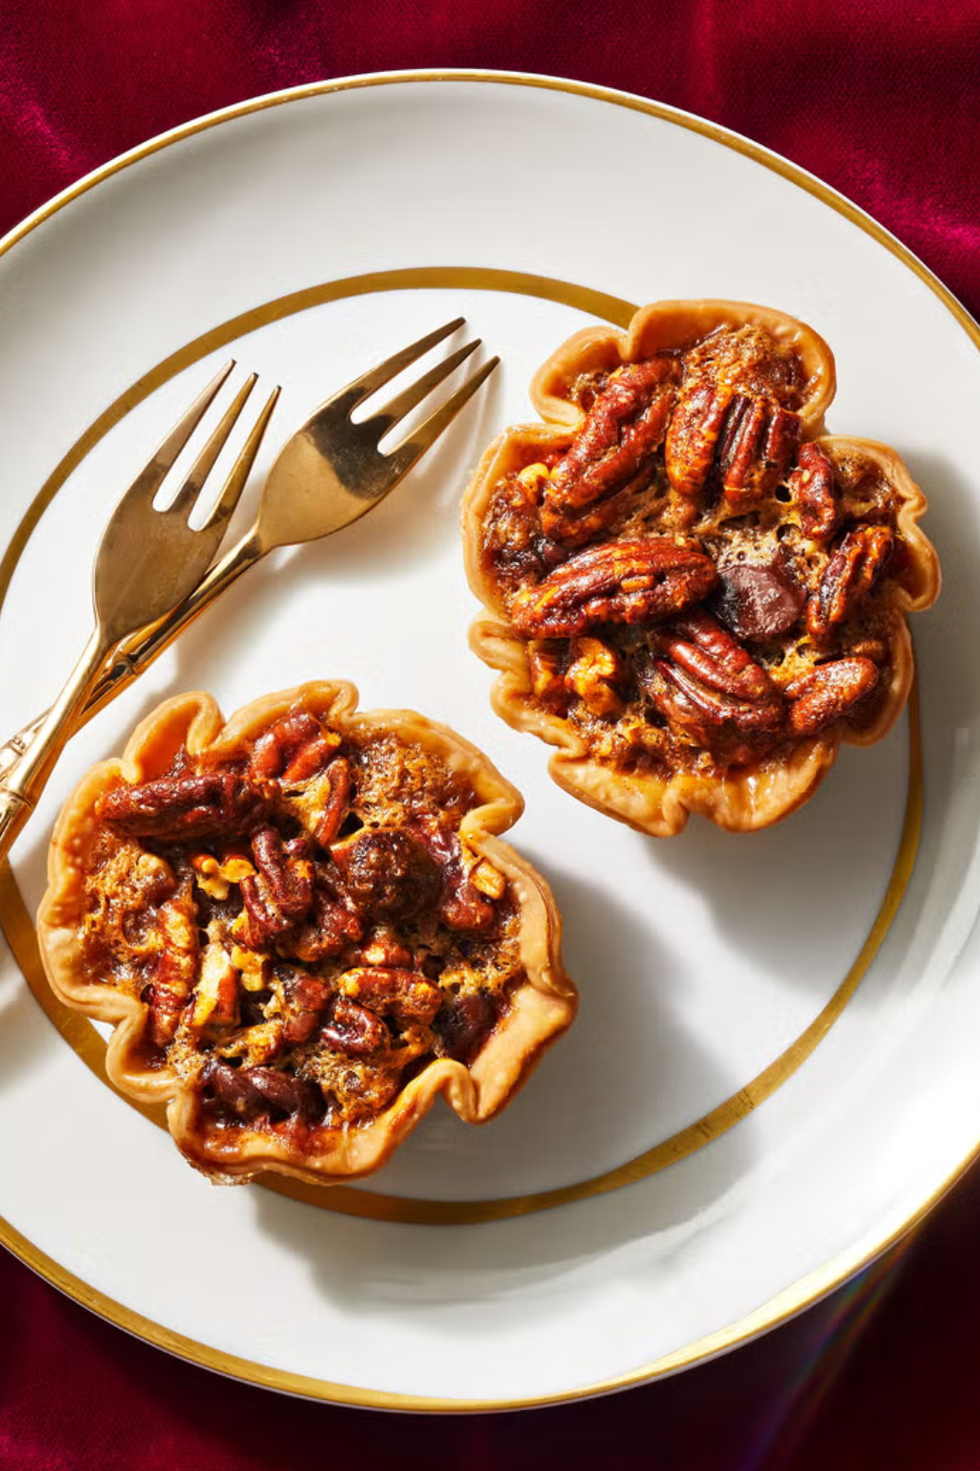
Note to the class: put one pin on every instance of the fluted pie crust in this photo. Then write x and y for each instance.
(407, 773)
(649, 725)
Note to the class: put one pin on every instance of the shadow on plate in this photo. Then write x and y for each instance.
(413, 524)
(774, 892)
(949, 677)
(25, 1033)
(945, 638)
(602, 1095)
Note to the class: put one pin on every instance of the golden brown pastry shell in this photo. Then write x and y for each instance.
(675, 326)
(742, 799)
(541, 1008)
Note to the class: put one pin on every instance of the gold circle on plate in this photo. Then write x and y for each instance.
(354, 1200)
(88, 1043)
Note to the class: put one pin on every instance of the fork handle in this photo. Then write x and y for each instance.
(135, 656)
(25, 782)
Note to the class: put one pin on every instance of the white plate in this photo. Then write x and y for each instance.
(314, 232)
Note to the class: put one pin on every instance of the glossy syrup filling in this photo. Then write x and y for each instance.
(698, 588)
(303, 924)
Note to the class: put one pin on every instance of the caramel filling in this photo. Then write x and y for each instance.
(303, 924)
(698, 588)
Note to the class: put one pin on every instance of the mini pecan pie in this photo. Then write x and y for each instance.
(304, 926)
(697, 596)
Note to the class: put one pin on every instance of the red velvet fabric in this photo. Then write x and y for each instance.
(882, 99)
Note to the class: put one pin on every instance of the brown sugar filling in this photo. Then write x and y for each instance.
(303, 923)
(697, 587)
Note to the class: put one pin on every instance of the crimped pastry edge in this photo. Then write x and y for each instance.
(542, 1008)
(665, 325)
(742, 801)
(750, 798)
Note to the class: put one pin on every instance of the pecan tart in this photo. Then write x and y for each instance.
(304, 927)
(698, 595)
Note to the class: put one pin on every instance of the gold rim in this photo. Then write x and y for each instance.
(88, 1043)
(800, 1294)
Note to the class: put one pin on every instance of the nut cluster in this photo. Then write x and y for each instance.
(303, 948)
(698, 585)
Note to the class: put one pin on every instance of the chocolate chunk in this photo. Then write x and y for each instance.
(759, 601)
(390, 873)
(288, 1093)
(247, 1095)
(232, 1088)
(463, 1023)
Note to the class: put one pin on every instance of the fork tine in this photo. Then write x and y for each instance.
(235, 483)
(186, 497)
(393, 413)
(151, 477)
(360, 388)
(425, 436)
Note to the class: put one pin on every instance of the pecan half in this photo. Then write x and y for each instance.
(757, 601)
(179, 808)
(692, 437)
(335, 797)
(276, 747)
(711, 688)
(623, 428)
(812, 487)
(354, 1030)
(620, 582)
(403, 994)
(752, 439)
(176, 967)
(735, 729)
(757, 449)
(849, 575)
(305, 998)
(281, 893)
(333, 922)
(828, 692)
(164, 1007)
(699, 644)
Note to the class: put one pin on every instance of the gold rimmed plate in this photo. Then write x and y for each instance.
(731, 1127)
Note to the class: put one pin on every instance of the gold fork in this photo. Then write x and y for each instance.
(147, 561)
(329, 473)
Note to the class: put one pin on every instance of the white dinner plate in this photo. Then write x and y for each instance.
(774, 1068)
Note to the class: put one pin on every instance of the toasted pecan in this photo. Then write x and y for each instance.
(618, 582)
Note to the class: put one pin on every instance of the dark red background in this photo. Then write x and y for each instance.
(882, 101)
